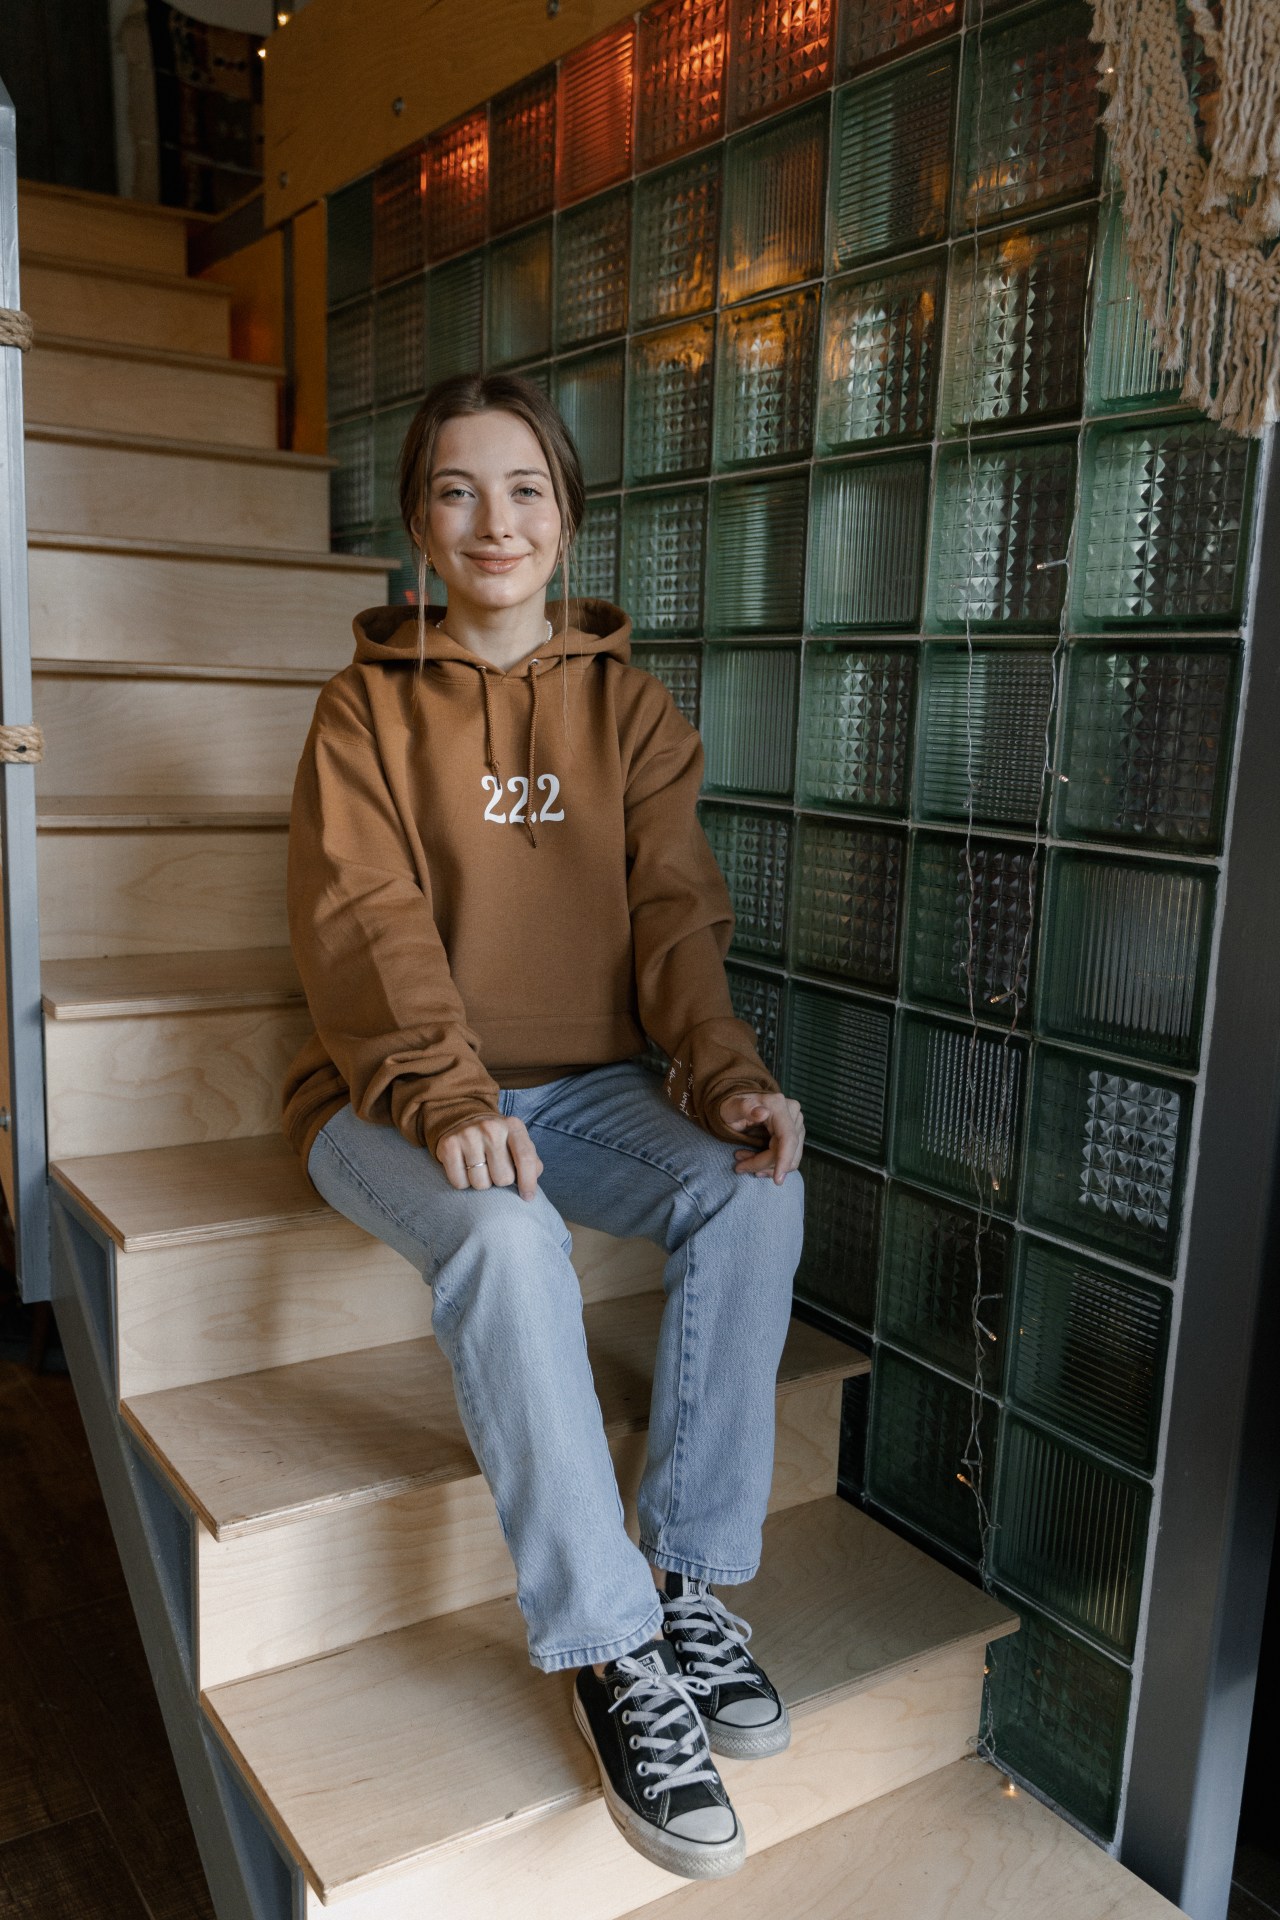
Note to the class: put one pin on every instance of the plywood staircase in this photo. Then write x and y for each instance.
(322, 1584)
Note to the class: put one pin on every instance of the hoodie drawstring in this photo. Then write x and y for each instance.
(533, 734)
(490, 757)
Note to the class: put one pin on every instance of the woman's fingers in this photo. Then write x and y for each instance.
(492, 1153)
(527, 1163)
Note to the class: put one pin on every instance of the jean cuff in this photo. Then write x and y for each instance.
(698, 1569)
(609, 1650)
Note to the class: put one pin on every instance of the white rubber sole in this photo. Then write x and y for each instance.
(749, 1743)
(691, 1859)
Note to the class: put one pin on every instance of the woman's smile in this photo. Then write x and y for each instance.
(494, 562)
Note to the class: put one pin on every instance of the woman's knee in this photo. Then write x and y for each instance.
(508, 1249)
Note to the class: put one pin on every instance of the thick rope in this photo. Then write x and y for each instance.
(21, 743)
(16, 329)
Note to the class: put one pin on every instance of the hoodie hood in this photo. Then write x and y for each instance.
(389, 635)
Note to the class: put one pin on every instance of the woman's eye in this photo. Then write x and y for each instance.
(535, 491)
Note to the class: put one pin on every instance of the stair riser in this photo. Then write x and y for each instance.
(94, 306)
(72, 389)
(149, 890)
(302, 1588)
(118, 232)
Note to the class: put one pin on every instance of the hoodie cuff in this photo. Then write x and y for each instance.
(431, 1131)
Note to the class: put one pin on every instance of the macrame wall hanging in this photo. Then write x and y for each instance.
(1202, 227)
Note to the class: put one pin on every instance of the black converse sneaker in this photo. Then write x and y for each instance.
(742, 1710)
(660, 1783)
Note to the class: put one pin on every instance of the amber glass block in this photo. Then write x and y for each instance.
(755, 566)
(1029, 121)
(749, 719)
(773, 204)
(920, 1439)
(680, 671)
(455, 315)
(458, 185)
(593, 119)
(983, 740)
(522, 151)
(867, 543)
(758, 999)
(874, 30)
(1015, 327)
(663, 546)
(400, 339)
(349, 358)
(879, 356)
(1124, 367)
(957, 1108)
(891, 160)
(754, 852)
(399, 216)
(837, 1270)
(764, 380)
(518, 302)
(972, 918)
(680, 91)
(669, 402)
(847, 901)
(593, 255)
(1001, 523)
(389, 430)
(779, 52)
(677, 226)
(838, 1068)
(855, 727)
(941, 1269)
(349, 242)
(351, 481)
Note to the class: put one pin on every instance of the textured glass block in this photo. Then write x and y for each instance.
(669, 402)
(921, 1433)
(522, 151)
(875, 30)
(1164, 524)
(349, 245)
(399, 217)
(891, 160)
(663, 544)
(594, 115)
(749, 719)
(758, 999)
(455, 307)
(588, 393)
(866, 555)
(1126, 956)
(518, 302)
(594, 562)
(539, 374)
(351, 481)
(957, 1108)
(392, 541)
(677, 228)
(458, 185)
(879, 356)
(1001, 524)
(680, 671)
(755, 565)
(1016, 326)
(593, 252)
(848, 893)
(754, 853)
(837, 1269)
(1106, 1151)
(1124, 367)
(984, 735)
(1059, 1712)
(943, 1268)
(1147, 746)
(680, 78)
(838, 1068)
(1029, 127)
(349, 340)
(400, 339)
(972, 917)
(764, 380)
(855, 1409)
(779, 52)
(773, 204)
(855, 728)
(389, 430)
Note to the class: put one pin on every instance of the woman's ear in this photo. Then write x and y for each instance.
(415, 527)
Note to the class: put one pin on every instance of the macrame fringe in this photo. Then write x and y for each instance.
(16, 329)
(18, 743)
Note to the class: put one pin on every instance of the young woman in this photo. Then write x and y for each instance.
(497, 887)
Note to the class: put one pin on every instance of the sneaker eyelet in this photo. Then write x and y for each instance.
(650, 1793)
(633, 1743)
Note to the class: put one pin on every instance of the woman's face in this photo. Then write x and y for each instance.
(492, 526)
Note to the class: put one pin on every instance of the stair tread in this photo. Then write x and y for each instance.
(257, 1448)
(161, 356)
(137, 983)
(197, 550)
(57, 665)
(187, 449)
(92, 811)
(209, 1190)
(29, 257)
(116, 203)
(428, 1738)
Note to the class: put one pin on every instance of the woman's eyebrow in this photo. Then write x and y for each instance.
(511, 472)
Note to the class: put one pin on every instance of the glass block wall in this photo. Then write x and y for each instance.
(835, 301)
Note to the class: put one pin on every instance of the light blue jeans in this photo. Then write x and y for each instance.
(507, 1310)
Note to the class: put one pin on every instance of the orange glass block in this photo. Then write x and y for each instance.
(875, 30)
(399, 228)
(680, 96)
(458, 185)
(779, 52)
(522, 151)
(594, 114)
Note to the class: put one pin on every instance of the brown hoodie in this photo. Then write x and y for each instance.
(480, 896)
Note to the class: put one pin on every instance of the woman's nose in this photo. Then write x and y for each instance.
(493, 517)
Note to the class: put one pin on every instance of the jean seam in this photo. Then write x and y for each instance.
(629, 1153)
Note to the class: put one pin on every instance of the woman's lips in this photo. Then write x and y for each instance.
(495, 565)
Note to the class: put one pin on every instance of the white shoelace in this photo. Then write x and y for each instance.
(661, 1705)
(712, 1637)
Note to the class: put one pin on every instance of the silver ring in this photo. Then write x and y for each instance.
(471, 1165)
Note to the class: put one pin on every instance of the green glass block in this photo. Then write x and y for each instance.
(663, 543)
(594, 114)
(855, 1409)
(351, 481)
(1071, 1534)
(677, 227)
(778, 53)
(680, 78)
(848, 894)
(680, 671)
(391, 539)
(349, 248)
(349, 364)
(891, 161)
(866, 553)
(983, 735)
(1147, 746)
(399, 223)
(458, 185)
(540, 374)
(1029, 120)
(879, 356)
(518, 297)
(921, 1433)
(1016, 326)
(669, 402)
(942, 1268)
(522, 151)
(593, 251)
(749, 719)
(758, 999)
(1088, 1352)
(594, 562)
(754, 852)
(588, 393)
(972, 918)
(1164, 522)
(455, 305)
(1106, 1153)
(755, 562)
(1126, 956)
(957, 1109)
(855, 727)
(400, 339)
(773, 204)
(1059, 1713)
(837, 1270)
(876, 30)
(838, 1068)
(764, 380)
(1001, 524)
(389, 430)
(1124, 367)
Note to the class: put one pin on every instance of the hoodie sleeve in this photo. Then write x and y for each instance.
(682, 922)
(372, 963)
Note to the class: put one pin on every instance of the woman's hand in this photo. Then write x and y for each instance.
(492, 1153)
(785, 1122)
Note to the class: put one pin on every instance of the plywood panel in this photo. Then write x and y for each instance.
(254, 276)
(102, 227)
(132, 390)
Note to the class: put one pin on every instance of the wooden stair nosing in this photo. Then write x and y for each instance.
(213, 1190)
(53, 538)
(59, 666)
(113, 812)
(177, 357)
(123, 986)
(93, 201)
(162, 444)
(109, 270)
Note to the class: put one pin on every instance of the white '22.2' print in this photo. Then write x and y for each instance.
(519, 786)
